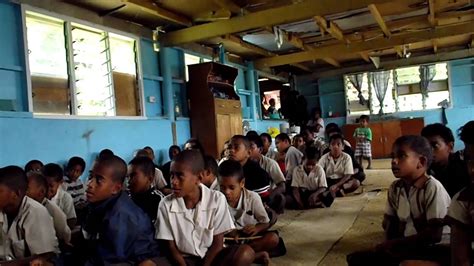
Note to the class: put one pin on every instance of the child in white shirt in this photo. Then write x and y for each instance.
(54, 175)
(194, 219)
(247, 210)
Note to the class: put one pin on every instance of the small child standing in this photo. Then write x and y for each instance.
(363, 135)
(54, 175)
(37, 190)
(142, 192)
(309, 186)
(193, 220)
(115, 229)
(416, 206)
(26, 226)
(247, 211)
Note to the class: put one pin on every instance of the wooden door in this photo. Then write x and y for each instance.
(412, 126)
(223, 130)
(348, 131)
(377, 140)
(235, 124)
(391, 131)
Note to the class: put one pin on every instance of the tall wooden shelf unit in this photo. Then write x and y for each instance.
(214, 118)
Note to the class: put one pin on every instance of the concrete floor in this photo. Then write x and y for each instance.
(326, 236)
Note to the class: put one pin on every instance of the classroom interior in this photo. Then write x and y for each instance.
(80, 76)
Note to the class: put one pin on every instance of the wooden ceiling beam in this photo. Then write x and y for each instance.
(375, 44)
(365, 56)
(435, 45)
(331, 28)
(379, 19)
(431, 14)
(231, 6)
(332, 61)
(399, 50)
(269, 17)
(160, 12)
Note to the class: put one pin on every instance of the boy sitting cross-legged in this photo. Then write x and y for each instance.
(193, 220)
(115, 229)
(247, 210)
(27, 229)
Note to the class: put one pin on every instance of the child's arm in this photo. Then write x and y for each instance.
(369, 134)
(296, 195)
(175, 255)
(214, 249)
(253, 229)
(71, 223)
(314, 198)
(460, 245)
(391, 226)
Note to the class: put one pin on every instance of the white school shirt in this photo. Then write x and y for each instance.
(215, 185)
(293, 158)
(273, 169)
(59, 220)
(65, 202)
(315, 180)
(159, 181)
(193, 230)
(249, 211)
(424, 202)
(31, 232)
(336, 168)
(272, 154)
(76, 189)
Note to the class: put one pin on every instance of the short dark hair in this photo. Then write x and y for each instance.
(14, 178)
(193, 158)
(118, 165)
(142, 153)
(210, 164)
(364, 117)
(76, 161)
(244, 140)
(333, 128)
(145, 164)
(196, 145)
(231, 168)
(40, 181)
(53, 170)
(438, 129)
(335, 137)
(418, 144)
(105, 153)
(267, 136)
(311, 153)
(466, 133)
(149, 148)
(171, 148)
(283, 137)
(29, 164)
(257, 140)
(252, 133)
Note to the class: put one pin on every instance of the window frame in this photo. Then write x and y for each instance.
(448, 84)
(67, 25)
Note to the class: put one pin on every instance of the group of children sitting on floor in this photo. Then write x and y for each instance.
(195, 210)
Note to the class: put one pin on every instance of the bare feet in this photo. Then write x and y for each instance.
(262, 258)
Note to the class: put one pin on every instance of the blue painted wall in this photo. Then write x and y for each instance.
(24, 137)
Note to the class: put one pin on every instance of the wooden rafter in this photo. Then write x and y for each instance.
(365, 56)
(160, 12)
(435, 45)
(379, 19)
(273, 16)
(399, 50)
(370, 45)
(332, 61)
(431, 14)
(331, 28)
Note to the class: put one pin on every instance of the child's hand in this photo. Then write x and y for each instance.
(147, 263)
(250, 230)
(386, 246)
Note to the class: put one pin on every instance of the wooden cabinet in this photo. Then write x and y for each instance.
(215, 108)
(384, 134)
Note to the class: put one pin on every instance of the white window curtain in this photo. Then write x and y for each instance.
(379, 81)
(356, 81)
(427, 74)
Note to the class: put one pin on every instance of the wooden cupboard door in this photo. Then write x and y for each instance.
(235, 124)
(391, 131)
(348, 131)
(377, 140)
(412, 126)
(223, 130)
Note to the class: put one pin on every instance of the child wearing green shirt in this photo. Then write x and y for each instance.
(363, 136)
